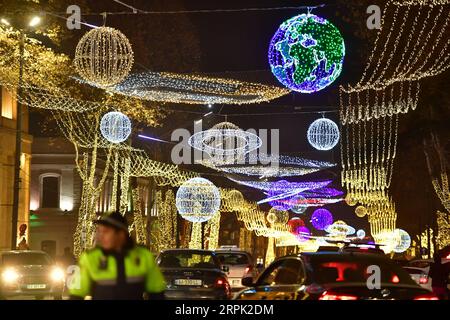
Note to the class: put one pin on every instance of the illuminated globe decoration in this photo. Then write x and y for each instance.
(402, 240)
(235, 199)
(198, 200)
(361, 234)
(294, 224)
(323, 134)
(303, 234)
(321, 219)
(361, 211)
(104, 57)
(115, 127)
(306, 53)
(349, 199)
(280, 216)
(225, 143)
(300, 205)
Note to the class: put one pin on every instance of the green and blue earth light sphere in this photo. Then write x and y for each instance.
(306, 53)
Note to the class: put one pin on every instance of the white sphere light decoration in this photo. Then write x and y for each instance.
(198, 200)
(300, 205)
(115, 127)
(323, 134)
(402, 240)
(361, 234)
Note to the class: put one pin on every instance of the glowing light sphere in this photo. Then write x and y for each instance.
(115, 127)
(402, 240)
(198, 200)
(104, 57)
(294, 224)
(306, 53)
(235, 199)
(321, 219)
(323, 134)
(361, 234)
(361, 211)
(350, 200)
(303, 234)
(300, 205)
(271, 217)
(280, 215)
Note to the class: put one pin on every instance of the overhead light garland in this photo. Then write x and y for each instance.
(194, 89)
(265, 166)
(306, 54)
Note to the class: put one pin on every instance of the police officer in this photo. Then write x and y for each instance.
(117, 269)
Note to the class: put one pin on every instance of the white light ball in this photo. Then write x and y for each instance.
(323, 134)
(198, 200)
(115, 127)
(361, 234)
(402, 239)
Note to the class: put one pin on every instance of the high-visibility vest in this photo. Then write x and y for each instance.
(113, 276)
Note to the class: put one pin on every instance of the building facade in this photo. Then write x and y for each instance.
(8, 130)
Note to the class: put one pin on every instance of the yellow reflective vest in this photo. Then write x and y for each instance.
(114, 276)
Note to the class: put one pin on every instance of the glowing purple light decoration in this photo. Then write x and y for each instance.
(321, 219)
(303, 234)
(280, 188)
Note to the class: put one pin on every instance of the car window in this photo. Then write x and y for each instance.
(25, 259)
(234, 258)
(332, 269)
(283, 272)
(413, 271)
(188, 260)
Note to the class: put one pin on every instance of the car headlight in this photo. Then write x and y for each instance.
(58, 275)
(10, 275)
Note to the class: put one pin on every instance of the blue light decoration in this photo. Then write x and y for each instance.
(323, 134)
(115, 127)
(280, 203)
(321, 219)
(198, 200)
(303, 234)
(306, 53)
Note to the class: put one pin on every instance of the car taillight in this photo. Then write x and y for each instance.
(221, 282)
(423, 279)
(427, 297)
(395, 279)
(336, 296)
(248, 269)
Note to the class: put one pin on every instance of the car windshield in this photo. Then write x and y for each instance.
(25, 259)
(233, 259)
(194, 260)
(332, 269)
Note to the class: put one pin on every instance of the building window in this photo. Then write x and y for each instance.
(7, 103)
(50, 192)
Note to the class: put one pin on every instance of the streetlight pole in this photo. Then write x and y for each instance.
(17, 168)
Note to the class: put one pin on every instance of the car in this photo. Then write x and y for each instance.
(193, 274)
(240, 265)
(31, 274)
(419, 270)
(333, 276)
(420, 276)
